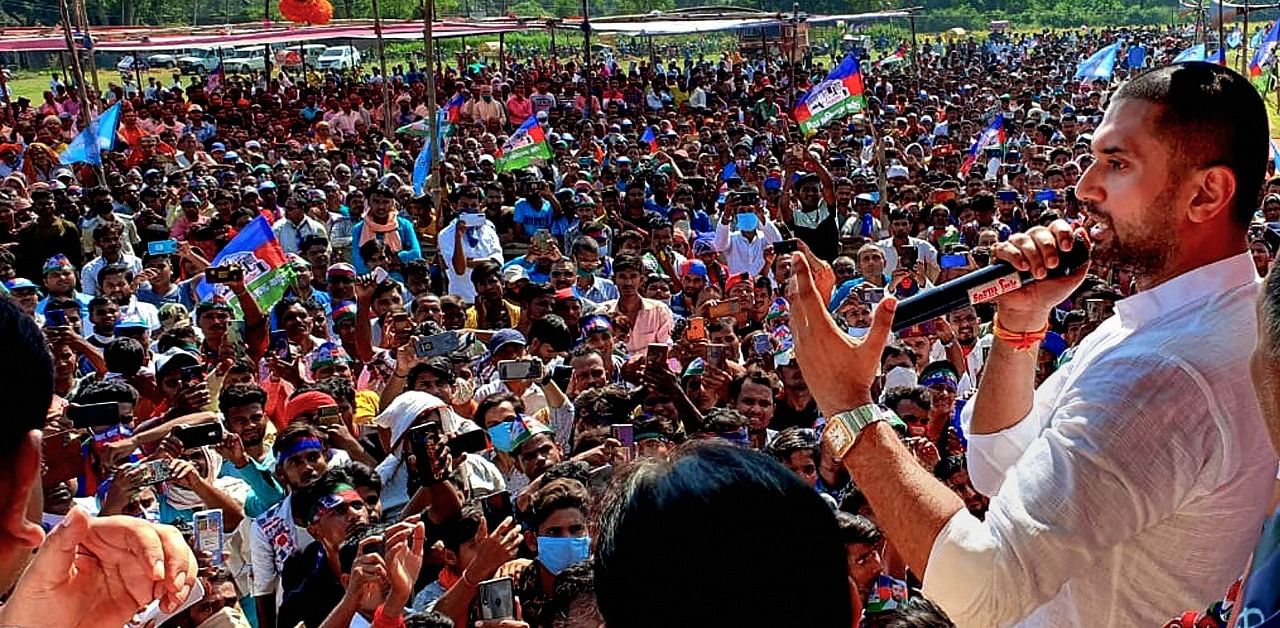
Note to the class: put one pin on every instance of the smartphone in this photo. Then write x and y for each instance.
(496, 507)
(55, 318)
(561, 374)
(716, 355)
(280, 345)
(328, 415)
(376, 545)
(470, 442)
(748, 198)
(424, 442)
(472, 219)
(725, 308)
(210, 536)
(191, 374)
(223, 274)
(783, 247)
(908, 258)
(513, 370)
(697, 329)
(94, 414)
(157, 471)
(761, 345)
(624, 433)
(438, 345)
(542, 238)
(953, 260)
(915, 331)
(162, 247)
(497, 599)
(204, 434)
(1044, 196)
(656, 354)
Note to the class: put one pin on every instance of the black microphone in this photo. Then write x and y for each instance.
(980, 286)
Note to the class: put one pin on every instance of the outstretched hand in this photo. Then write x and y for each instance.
(838, 368)
(98, 571)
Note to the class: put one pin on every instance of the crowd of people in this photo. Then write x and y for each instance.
(601, 389)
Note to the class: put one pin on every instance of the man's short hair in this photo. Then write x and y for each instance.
(106, 391)
(118, 268)
(918, 395)
(125, 356)
(690, 512)
(1210, 116)
(556, 495)
(858, 529)
(240, 395)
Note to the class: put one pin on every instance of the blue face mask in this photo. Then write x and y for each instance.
(560, 553)
(502, 436)
(748, 222)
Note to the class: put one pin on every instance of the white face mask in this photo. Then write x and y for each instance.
(858, 332)
(900, 376)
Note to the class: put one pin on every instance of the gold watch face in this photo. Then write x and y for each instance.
(839, 436)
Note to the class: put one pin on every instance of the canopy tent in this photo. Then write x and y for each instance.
(671, 27)
(138, 40)
(715, 19)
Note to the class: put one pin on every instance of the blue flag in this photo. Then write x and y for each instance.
(1100, 65)
(426, 156)
(100, 135)
(649, 140)
(1137, 56)
(730, 171)
(1265, 51)
(1234, 38)
(267, 275)
(1194, 53)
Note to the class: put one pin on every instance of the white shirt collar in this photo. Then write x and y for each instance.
(1202, 282)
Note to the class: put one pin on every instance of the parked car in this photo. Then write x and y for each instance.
(339, 58)
(198, 61)
(163, 60)
(245, 60)
(291, 59)
(126, 64)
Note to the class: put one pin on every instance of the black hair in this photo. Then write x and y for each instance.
(893, 351)
(605, 405)
(371, 248)
(313, 240)
(125, 356)
(723, 420)
(576, 470)
(427, 619)
(350, 548)
(283, 305)
(439, 367)
(914, 612)
(240, 395)
(949, 466)
(1209, 116)
(858, 529)
(118, 268)
(556, 495)
(460, 528)
(363, 476)
(759, 378)
(183, 336)
(104, 391)
(484, 269)
(418, 268)
(794, 439)
(690, 512)
(495, 400)
(916, 394)
(551, 330)
(584, 244)
(574, 582)
(340, 388)
(61, 303)
(627, 262)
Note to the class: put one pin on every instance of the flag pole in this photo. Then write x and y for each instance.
(1244, 42)
(382, 65)
(428, 16)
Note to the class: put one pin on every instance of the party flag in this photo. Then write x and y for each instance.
(992, 136)
(650, 139)
(215, 80)
(454, 108)
(1194, 53)
(1100, 65)
(839, 95)
(267, 275)
(1266, 50)
(528, 143)
(100, 135)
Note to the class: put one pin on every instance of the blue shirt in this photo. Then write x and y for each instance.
(531, 218)
(534, 275)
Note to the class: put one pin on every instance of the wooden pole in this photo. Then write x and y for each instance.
(1244, 42)
(428, 17)
(76, 70)
(586, 55)
(382, 65)
(83, 19)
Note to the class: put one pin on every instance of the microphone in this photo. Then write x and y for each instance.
(980, 286)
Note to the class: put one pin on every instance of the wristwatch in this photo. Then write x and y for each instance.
(843, 428)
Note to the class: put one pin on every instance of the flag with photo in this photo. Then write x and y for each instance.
(528, 143)
(839, 95)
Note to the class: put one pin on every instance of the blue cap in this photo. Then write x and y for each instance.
(20, 284)
(132, 322)
(504, 337)
(266, 185)
(218, 146)
(231, 156)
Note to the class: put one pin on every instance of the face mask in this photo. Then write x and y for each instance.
(151, 516)
(502, 436)
(858, 332)
(587, 274)
(748, 222)
(900, 376)
(558, 554)
(487, 98)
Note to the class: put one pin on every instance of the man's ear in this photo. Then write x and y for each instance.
(531, 540)
(21, 503)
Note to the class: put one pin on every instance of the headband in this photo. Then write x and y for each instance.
(302, 444)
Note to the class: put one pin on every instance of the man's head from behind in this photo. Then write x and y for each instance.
(668, 528)
(1181, 154)
(26, 379)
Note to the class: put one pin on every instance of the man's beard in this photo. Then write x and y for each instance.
(1146, 251)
